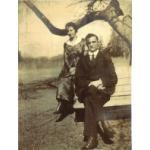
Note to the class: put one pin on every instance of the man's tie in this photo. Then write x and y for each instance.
(92, 57)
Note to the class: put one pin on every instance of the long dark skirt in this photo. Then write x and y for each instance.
(65, 90)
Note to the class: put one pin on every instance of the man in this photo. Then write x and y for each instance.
(95, 81)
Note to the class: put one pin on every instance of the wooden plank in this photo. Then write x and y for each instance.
(109, 113)
(116, 108)
(119, 106)
(117, 101)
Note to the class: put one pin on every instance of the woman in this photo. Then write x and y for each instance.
(65, 91)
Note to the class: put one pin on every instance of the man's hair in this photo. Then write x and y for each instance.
(90, 35)
(71, 24)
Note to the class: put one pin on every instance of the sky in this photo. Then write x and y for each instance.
(35, 40)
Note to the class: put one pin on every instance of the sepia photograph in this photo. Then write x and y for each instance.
(74, 68)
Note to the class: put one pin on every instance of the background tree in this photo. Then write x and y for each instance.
(107, 10)
(118, 47)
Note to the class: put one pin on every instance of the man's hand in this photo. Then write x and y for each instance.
(72, 70)
(101, 87)
(96, 83)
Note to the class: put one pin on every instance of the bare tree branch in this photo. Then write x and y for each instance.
(44, 19)
(89, 17)
(110, 14)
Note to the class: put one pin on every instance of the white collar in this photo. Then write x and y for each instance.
(95, 52)
(74, 42)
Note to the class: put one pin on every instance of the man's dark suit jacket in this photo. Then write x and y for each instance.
(101, 68)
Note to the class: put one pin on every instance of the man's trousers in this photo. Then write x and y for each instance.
(93, 102)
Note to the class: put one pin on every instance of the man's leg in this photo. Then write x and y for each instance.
(93, 108)
(90, 125)
(97, 101)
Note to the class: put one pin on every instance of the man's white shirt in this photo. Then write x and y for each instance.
(93, 53)
(96, 83)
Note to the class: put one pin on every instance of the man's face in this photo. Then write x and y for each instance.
(92, 43)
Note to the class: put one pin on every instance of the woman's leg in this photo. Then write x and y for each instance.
(58, 108)
(64, 91)
(66, 109)
(65, 96)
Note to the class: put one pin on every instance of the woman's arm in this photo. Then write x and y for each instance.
(66, 65)
(66, 62)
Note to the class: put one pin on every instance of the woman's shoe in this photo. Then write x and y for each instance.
(58, 109)
(65, 109)
(62, 116)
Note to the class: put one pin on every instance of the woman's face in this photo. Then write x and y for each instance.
(71, 32)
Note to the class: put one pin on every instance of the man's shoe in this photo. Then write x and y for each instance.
(106, 130)
(109, 133)
(91, 143)
(105, 136)
(107, 140)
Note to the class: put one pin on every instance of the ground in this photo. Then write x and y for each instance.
(39, 131)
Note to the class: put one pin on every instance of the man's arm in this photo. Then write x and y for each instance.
(110, 75)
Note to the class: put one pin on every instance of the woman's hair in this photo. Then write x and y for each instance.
(71, 24)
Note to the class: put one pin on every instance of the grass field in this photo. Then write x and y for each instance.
(37, 127)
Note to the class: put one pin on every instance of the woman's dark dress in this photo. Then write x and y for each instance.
(65, 90)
